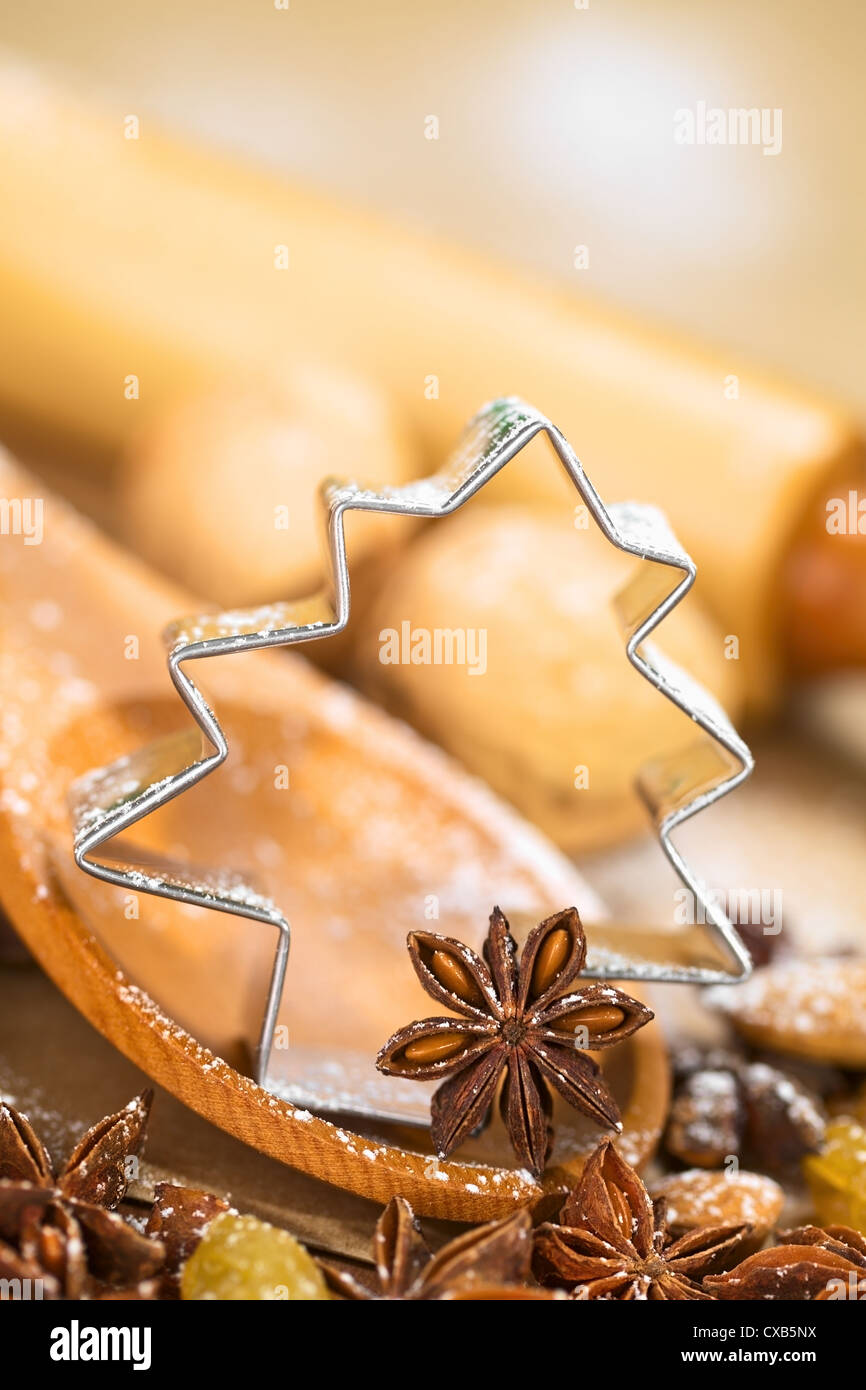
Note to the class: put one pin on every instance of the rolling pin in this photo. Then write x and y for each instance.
(134, 271)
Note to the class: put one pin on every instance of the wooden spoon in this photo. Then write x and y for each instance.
(376, 834)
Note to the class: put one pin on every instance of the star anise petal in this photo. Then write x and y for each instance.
(500, 953)
(677, 1289)
(499, 1252)
(145, 1292)
(51, 1237)
(399, 1248)
(839, 1288)
(179, 1218)
(554, 953)
(580, 1241)
(96, 1169)
(593, 1007)
(612, 1202)
(412, 1051)
(461, 1106)
(810, 1263)
(624, 1287)
(641, 1287)
(345, 1285)
(488, 1261)
(451, 973)
(783, 1272)
(116, 1251)
(13, 1265)
(706, 1251)
(570, 1256)
(842, 1240)
(15, 1198)
(526, 1110)
(578, 1079)
(23, 1157)
(501, 1293)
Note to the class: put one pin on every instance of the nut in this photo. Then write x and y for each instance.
(812, 1009)
(698, 1197)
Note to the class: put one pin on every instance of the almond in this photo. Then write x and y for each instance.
(812, 1009)
(698, 1197)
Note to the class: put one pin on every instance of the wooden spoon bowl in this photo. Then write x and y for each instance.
(375, 834)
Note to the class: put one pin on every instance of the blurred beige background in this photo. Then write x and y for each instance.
(556, 130)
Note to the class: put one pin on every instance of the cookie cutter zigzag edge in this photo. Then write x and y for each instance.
(110, 800)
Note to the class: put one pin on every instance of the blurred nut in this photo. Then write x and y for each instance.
(544, 705)
(706, 1119)
(810, 1008)
(223, 492)
(700, 1198)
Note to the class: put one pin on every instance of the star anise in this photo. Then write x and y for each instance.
(61, 1227)
(612, 1242)
(726, 1105)
(514, 1019)
(179, 1218)
(488, 1262)
(810, 1263)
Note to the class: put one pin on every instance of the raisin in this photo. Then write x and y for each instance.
(242, 1258)
(837, 1176)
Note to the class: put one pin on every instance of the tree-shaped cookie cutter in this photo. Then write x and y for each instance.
(111, 800)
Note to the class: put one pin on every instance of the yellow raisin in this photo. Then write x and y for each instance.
(240, 1258)
(837, 1176)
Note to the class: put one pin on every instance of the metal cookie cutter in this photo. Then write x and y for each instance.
(711, 764)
